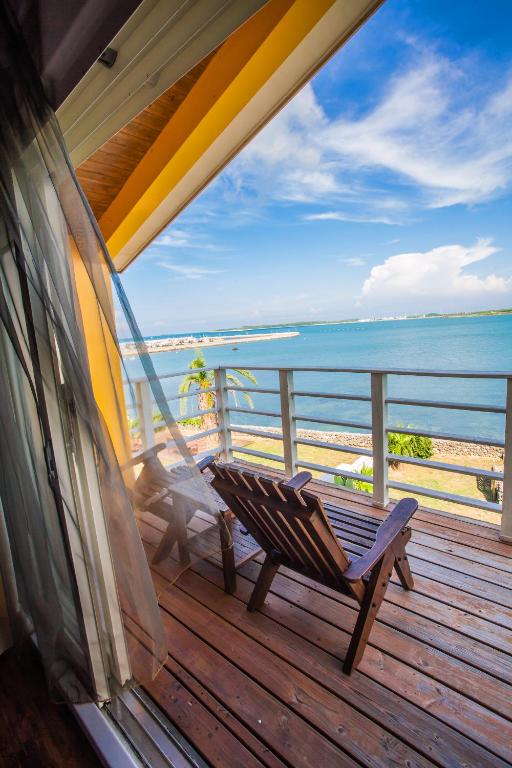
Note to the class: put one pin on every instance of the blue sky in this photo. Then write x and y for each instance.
(384, 187)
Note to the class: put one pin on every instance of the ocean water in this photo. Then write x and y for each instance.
(455, 344)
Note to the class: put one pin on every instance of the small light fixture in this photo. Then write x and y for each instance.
(108, 57)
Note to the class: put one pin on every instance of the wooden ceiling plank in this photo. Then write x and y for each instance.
(103, 175)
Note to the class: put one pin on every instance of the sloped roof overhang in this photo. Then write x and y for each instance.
(161, 42)
(140, 179)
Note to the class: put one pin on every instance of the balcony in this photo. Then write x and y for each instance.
(435, 684)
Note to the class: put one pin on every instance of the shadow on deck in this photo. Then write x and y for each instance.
(267, 689)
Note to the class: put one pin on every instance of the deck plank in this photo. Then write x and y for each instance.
(315, 709)
(206, 732)
(411, 724)
(434, 686)
(319, 620)
(257, 747)
(252, 703)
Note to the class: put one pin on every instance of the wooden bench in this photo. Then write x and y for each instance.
(172, 494)
(295, 530)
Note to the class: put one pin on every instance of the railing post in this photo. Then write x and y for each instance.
(221, 399)
(145, 414)
(506, 516)
(380, 438)
(288, 422)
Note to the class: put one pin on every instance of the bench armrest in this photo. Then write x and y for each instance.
(205, 463)
(390, 529)
(141, 458)
(298, 481)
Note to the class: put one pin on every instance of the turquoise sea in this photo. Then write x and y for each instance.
(455, 344)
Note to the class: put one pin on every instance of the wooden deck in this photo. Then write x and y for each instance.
(266, 689)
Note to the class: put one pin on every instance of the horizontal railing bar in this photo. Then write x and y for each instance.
(192, 415)
(447, 436)
(253, 411)
(333, 396)
(333, 446)
(214, 450)
(255, 432)
(336, 422)
(390, 371)
(199, 435)
(193, 393)
(171, 375)
(195, 414)
(186, 372)
(447, 405)
(258, 454)
(333, 471)
(253, 389)
(445, 496)
(444, 467)
(324, 369)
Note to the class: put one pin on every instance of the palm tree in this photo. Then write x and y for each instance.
(201, 379)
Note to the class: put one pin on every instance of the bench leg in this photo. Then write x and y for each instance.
(229, 571)
(228, 555)
(176, 532)
(404, 571)
(166, 545)
(402, 567)
(373, 597)
(263, 584)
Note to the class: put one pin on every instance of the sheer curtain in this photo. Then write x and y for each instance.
(76, 565)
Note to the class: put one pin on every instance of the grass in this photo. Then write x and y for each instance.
(462, 485)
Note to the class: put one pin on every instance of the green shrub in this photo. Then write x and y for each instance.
(418, 446)
(356, 485)
(193, 421)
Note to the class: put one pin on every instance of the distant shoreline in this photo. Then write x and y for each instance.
(428, 316)
(175, 343)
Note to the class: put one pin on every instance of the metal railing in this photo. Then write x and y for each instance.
(378, 426)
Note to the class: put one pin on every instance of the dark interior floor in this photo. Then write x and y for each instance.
(34, 731)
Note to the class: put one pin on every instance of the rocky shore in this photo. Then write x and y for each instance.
(363, 440)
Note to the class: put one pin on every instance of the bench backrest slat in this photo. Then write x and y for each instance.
(289, 524)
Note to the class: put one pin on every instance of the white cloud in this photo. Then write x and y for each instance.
(434, 132)
(345, 216)
(352, 261)
(190, 272)
(176, 238)
(438, 273)
(287, 156)
(180, 238)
